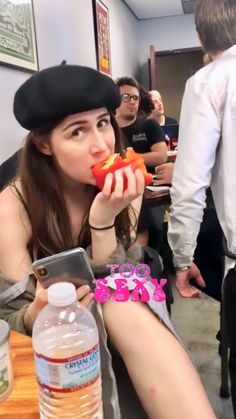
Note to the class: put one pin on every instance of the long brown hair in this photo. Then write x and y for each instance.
(46, 206)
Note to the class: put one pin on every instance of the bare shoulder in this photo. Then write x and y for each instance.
(13, 215)
(15, 234)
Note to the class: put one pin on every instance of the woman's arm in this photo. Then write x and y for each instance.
(83, 295)
(20, 310)
(107, 205)
(14, 306)
(15, 263)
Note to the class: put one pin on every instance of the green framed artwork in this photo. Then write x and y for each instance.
(17, 34)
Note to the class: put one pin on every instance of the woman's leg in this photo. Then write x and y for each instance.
(159, 367)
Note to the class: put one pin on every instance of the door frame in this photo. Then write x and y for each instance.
(153, 74)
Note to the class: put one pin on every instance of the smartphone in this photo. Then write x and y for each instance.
(69, 266)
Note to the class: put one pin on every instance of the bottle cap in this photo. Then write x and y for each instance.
(61, 294)
(4, 331)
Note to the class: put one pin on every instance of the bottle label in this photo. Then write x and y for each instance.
(4, 379)
(68, 374)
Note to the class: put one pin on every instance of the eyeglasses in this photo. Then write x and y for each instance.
(127, 98)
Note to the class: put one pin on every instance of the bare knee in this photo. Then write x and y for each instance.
(130, 325)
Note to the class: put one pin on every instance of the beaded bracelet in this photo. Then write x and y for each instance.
(101, 228)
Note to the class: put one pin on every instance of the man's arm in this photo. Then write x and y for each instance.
(157, 155)
(200, 126)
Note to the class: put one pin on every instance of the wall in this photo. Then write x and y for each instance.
(58, 37)
(172, 73)
(64, 30)
(125, 48)
(168, 33)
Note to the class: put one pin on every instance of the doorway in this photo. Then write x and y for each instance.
(169, 71)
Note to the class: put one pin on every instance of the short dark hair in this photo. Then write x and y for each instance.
(215, 22)
(127, 81)
(146, 104)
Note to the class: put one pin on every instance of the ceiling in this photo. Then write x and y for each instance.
(150, 9)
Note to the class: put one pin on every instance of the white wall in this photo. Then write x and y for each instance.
(64, 30)
(167, 33)
(62, 33)
(123, 31)
(11, 133)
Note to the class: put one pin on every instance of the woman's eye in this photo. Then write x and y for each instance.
(104, 122)
(77, 132)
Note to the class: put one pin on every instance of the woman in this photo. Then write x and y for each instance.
(55, 206)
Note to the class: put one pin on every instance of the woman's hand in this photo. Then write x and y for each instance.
(84, 296)
(107, 204)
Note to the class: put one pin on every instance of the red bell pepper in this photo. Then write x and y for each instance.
(114, 162)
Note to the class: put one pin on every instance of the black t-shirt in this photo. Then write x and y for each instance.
(142, 134)
(169, 120)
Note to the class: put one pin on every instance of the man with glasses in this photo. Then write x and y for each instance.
(147, 138)
(144, 135)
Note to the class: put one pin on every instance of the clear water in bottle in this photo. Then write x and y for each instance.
(67, 360)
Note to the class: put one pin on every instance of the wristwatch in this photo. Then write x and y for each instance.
(182, 269)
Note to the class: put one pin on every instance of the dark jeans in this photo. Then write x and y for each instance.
(229, 301)
(208, 255)
(232, 373)
(156, 227)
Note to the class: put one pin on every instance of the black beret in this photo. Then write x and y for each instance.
(56, 92)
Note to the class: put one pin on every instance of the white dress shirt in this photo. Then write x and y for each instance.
(206, 156)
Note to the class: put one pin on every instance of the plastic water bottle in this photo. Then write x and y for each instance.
(67, 359)
(6, 368)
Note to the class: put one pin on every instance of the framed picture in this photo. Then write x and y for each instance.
(102, 37)
(17, 34)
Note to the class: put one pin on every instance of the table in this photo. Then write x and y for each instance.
(157, 198)
(23, 401)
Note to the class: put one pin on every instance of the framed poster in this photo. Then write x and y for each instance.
(102, 37)
(17, 34)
